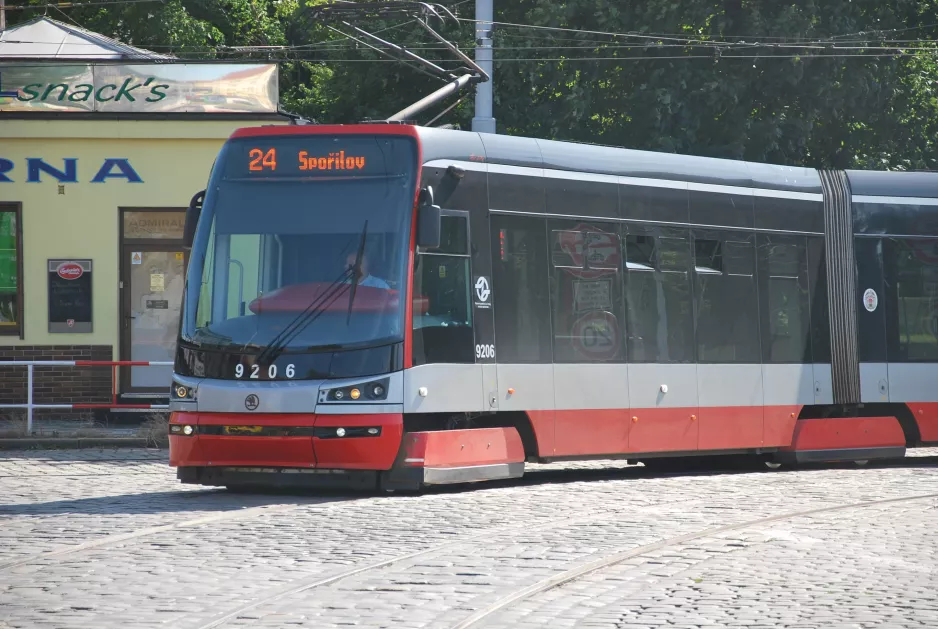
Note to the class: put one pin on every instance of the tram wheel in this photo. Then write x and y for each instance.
(862, 462)
(772, 465)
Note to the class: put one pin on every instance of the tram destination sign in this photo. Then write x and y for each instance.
(140, 88)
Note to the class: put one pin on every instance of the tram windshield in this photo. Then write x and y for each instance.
(308, 253)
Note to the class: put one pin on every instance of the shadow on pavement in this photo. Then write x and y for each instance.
(203, 501)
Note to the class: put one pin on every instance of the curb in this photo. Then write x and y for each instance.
(29, 443)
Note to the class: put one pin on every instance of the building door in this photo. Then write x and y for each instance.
(153, 277)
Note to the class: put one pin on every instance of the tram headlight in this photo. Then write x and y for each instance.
(183, 393)
(340, 432)
(374, 391)
(181, 429)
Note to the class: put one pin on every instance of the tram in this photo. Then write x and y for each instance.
(388, 306)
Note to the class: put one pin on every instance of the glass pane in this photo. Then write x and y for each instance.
(154, 225)
(916, 280)
(783, 288)
(817, 288)
(659, 305)
(8, 262)
(727, 325)
(8, 309)
(586, 297)
(442, 310)
(566, 249)
(454, 235)
(522, 302)
(156, 287)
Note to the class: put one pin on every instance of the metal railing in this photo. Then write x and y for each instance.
(113, 364)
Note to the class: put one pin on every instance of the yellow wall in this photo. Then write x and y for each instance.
(172, 157)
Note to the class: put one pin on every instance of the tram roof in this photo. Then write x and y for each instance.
(606, 160)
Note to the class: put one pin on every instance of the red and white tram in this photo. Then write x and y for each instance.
(392, 306)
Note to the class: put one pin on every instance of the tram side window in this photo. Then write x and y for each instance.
(817, 288)
(784, 299)
(912, 272)
(727, 323)
(442, 311)
(586, 292)
(659, 306)
(520, 283)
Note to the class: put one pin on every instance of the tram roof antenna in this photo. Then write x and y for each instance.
(422, 13)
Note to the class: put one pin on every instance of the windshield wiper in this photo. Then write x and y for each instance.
(356, 270)
(312, 311)
(316, 308)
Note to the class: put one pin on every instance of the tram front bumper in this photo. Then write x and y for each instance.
(290, 441)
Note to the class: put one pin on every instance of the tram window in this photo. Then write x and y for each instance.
(520, 285)
(817, 289)
(784, 299)
(727, 326)
(442, 311)
(454, 235)
(658, 300)
(586, 292)
(912, 274)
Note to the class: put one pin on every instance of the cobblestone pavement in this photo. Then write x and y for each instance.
(110, 539)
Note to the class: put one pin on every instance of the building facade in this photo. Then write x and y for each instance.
(93, 194)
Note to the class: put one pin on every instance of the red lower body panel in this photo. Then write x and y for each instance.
(463, 448)
(926, 416)
(847, 433)
(209, 446)
(359, 453)
(730, 427)
(663, 429)
(591, 432)
(685, 429)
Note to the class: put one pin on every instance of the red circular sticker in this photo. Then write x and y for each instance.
(596, 335)
(69, 270)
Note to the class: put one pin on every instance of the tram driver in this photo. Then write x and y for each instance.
(364, 277)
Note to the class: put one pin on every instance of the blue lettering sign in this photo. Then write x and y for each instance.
(5, 167)
(126, 171)
(112, 168)
(35, 165)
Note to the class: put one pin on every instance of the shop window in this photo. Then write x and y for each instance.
(912, 274)
(784, 299)
(658, 300)
(520, 281)
(11, 271)
(727, 326)
(442, 297)
(586, 292)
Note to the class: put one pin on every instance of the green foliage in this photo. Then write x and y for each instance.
(777, 102)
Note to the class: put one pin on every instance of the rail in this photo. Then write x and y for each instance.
(113, 364)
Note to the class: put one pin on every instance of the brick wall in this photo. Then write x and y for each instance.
(56, 385)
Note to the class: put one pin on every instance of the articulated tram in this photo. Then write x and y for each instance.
(386, 306)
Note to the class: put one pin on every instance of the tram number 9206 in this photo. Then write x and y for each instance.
(253, 372)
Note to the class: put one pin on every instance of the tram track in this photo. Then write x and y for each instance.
(317, 581)
(320, 581)
(152, 530)
(535, 477)
(609, 561)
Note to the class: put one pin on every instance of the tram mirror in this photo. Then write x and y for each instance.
(428, 220)
(451, 179)
(192, 218)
